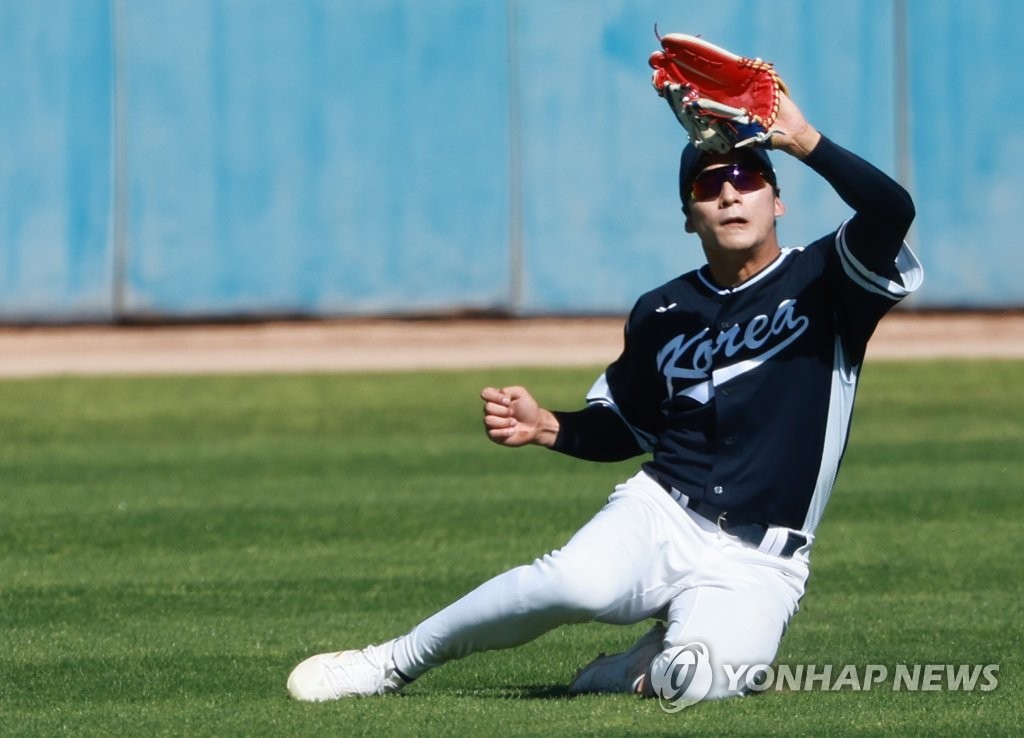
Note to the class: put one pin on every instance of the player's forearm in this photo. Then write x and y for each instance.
(872, 193)
(883, 209)
(595, 433)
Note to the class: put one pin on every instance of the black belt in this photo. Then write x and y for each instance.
(753, 534)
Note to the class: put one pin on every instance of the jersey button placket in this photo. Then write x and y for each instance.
(728, 439)
(724, 391)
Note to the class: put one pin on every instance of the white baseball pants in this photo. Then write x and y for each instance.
(641, 556)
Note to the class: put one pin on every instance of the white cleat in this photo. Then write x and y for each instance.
(334, 676)
(621, 673)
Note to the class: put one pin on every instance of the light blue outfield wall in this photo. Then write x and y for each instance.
(192, 158)
(967, 93)
(55, 158)
(316, 157)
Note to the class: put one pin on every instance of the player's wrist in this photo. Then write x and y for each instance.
(801, 143)
(547, 429)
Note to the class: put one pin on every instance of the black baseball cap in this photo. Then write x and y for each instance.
(692, 162)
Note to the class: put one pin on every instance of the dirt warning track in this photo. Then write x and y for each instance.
(372, 344)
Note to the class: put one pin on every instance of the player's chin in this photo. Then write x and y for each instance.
(739, 236)
(735, 240)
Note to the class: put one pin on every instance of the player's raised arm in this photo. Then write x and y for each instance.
(513, 418)
(883, 209)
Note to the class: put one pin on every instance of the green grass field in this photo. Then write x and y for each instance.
(171, 547)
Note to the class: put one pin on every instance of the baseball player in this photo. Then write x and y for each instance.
(738, 379)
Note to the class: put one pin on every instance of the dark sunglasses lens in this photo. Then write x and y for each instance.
(747, 180)
(708, 185)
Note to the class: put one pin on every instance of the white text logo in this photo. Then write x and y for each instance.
(689, 358)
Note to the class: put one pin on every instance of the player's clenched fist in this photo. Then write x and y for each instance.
(513, 418)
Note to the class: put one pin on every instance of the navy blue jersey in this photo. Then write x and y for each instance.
(744, 395)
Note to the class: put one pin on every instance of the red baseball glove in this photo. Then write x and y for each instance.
(722, 100)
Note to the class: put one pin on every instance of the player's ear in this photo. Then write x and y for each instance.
(780, 207)
(688, 226)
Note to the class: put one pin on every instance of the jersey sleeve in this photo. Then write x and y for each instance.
(602, 396)
(596, 433)
(872, 267)
(614, 425)
(631, 386)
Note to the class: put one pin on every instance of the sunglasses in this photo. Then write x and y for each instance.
(708, 185)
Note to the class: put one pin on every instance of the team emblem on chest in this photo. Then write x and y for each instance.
(688, 360)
